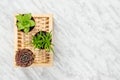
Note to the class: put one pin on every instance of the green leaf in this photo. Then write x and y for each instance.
(26, 30)
(27, 26)
(52, 49)
(20, 26)
(19, 17)
(27, 16)
(32, 23)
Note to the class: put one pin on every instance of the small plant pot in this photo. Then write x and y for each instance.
(24, 57)
(31, 28)
(25, 22)
(42, 40)
(44, 32)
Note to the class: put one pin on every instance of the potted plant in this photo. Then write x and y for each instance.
(25, 41)
(24, 57)
(25, 22)
(43, 40)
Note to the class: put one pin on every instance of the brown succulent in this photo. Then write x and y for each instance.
(24, 57)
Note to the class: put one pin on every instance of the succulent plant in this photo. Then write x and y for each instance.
(24, 57)
(42, 40)
(25, 22)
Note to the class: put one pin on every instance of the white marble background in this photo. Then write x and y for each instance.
(86, 34)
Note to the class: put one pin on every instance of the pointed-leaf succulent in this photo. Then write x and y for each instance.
(42, 40)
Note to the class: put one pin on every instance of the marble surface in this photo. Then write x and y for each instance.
(86, 38)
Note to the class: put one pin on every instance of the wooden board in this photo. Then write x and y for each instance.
(22, 40)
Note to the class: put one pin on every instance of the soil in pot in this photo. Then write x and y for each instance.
(24, 57)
